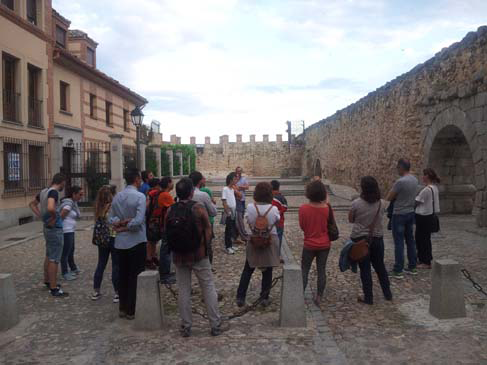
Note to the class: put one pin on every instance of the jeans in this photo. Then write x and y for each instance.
(164, 260)
(67, 258)
(245, 281)
(103, 254)
(306, 261)
(229, 231)
(132, 263)
(402, 229)
(280, 233)
(202, 270)
(376, 258)
(240, 229)
(423, 238)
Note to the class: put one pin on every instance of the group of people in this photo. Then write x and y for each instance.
(130, 223)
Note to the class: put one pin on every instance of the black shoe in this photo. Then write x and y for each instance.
(58, 293)
(130, 317)
(240, 302)
(168, 280)
(265, 302)
(185, 331)
(217, 331)
(364, 301)
(48, 285)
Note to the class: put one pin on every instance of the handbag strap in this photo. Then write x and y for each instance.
(432, 198)
(374, 222)
(330, 213)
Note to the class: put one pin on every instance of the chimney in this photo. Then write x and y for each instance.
(82, 46)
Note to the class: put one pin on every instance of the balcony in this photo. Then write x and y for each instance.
(11, 103)
(35, 113)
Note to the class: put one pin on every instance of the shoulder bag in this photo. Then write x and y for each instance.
(435, 221)
(360, 249)
(333, 232)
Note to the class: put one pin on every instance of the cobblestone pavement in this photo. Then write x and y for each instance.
(79, 331)
(403, 332)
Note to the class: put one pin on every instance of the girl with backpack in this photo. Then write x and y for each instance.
(263, 246)
(154, 224)
(70, 213)
(104, 238)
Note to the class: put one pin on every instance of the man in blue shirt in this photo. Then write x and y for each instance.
(146, 177)
(242, 185)
(127, 215)
(45, 207)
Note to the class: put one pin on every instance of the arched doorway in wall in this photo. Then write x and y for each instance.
(317, 169)
(451, 157)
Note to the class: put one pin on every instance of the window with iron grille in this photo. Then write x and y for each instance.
(8, 3)
(92, 106)
(35, 102)
(32, 11)
(10, 98)
(108, 113)
(126, 120)
(64, 96)
(60, 36)
(24, 166)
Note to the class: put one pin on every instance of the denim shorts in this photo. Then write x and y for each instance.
(54, 243)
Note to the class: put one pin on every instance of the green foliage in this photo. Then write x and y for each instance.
(150, 161)
(186, 150)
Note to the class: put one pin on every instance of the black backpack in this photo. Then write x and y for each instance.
(154, 222)
(182, 233)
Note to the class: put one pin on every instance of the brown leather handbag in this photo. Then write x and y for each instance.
(360, 249)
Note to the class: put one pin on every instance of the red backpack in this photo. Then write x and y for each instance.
(261, 232)
(154, 219)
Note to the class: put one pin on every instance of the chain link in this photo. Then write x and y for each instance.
(476, 285)
(238, 314)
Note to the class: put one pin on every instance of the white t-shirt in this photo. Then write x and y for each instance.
(273, 216)
(229, 196)
(69, 223)
(425, 200)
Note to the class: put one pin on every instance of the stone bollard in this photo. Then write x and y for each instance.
(149, 312)
(9, 315)
(447, 299)
(293, 311)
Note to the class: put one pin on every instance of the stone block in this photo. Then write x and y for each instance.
(9, 315)
(207, 140)
(192, 140)
(149, 312)
(447, 298)
(292, 311)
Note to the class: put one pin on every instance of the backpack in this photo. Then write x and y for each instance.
(101, 233)
(261, 232)
(154, 219)
(181, 231)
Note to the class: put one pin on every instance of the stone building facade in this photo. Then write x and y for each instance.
(263, 158)
(435, 115)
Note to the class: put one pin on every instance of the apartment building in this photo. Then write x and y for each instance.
(54, 103)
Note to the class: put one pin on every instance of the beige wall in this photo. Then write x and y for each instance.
(73, 118)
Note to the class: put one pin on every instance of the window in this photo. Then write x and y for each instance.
(108, 113)
(35, 102)
(8, 3)
(32, 11)
(92, 106)
(126, 120)
(64, 96)
(12, 165)
(36, 167)
(60, 36)
(90, 56)
(11, 99)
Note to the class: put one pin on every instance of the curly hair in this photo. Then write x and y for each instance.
(316, 191)
(263, 193)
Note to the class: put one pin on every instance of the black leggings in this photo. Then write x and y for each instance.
(306, 261)
(423, 238)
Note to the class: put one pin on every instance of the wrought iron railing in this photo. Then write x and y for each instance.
(11, 103)
(35, 113)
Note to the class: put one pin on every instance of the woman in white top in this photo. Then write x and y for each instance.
(427, 204)
(229, 194)
(70, 213)
(264, 258)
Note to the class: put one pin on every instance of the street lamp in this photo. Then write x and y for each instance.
(137, 118)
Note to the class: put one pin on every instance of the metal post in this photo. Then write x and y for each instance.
(137, 142)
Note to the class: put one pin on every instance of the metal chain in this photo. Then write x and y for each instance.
(476, 285)
(241, 313)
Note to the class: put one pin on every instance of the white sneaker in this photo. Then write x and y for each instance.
(230, 251)
(116, 299)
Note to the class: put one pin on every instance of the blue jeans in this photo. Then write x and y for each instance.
(402, 230)
(67, 258)
(164, 260)
(103, 255)
(280, 233)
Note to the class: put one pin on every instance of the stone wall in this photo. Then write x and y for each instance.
(435, 115)
(264, 158)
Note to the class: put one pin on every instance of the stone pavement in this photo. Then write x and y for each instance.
(79, 331)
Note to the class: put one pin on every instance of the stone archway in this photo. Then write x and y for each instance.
(317, 169)
(451, 147)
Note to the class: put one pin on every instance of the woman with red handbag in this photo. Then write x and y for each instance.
(366, 214)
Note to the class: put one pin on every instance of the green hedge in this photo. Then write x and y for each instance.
(186, 150)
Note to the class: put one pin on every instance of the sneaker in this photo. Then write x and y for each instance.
(185, 331)
(130, 317)
(76, 272)
(411, 271)
(240, 302)
(116, 299)
(69, 276)
(217, 331)
(48, 286)
(96, 295)
(265, 303)
(396, 275)
(169, 280)
(58, 292)
(230, 251)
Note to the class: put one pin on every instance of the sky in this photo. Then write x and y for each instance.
(215, 67)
